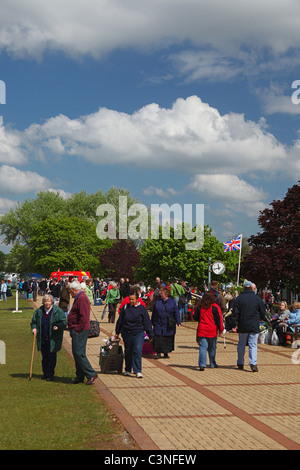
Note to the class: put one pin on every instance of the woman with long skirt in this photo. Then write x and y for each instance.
(164, 335)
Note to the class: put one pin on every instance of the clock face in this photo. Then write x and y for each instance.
(218, 267)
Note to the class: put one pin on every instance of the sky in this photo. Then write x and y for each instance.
(179, 101)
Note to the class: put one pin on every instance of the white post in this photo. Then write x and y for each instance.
(17, 301)
(238, 276)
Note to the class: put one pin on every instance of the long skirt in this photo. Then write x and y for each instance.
(163, 344)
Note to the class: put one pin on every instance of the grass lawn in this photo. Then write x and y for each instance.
(39, 415)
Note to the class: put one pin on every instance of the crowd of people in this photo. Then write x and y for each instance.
(128, 307)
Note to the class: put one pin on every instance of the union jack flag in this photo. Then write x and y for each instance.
(233, 245)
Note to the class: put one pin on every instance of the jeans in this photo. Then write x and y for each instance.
(181, 309)
(133, 343)
(3, 294)
(252, 343)
(207, 345)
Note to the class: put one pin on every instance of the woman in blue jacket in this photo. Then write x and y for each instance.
(132, 323)
(163, 341)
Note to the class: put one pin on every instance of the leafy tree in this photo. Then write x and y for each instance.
(275, 256)
(168, 259)
(120, 260)
(17, 225)
(18, 260)
(68, 243)
(2, 260)
(24, 226)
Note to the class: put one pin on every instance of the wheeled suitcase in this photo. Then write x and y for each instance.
(97, 300)
(111, 360)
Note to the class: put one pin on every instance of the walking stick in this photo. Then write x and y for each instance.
(32, 356)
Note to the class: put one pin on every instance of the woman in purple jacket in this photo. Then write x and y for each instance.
(163, 341)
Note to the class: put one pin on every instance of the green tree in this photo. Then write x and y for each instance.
(17, 225)
(68, 243)
(2, 260)
(168, 259)
(20, 227)
(18, 260)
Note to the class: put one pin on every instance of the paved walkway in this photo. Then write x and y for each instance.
(177, 407)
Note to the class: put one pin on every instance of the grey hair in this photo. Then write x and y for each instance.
(47, 296)
(75, 285)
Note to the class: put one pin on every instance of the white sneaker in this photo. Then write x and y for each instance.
(139, 375)
(126, 373)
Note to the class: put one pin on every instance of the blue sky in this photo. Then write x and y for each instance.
(180, 101)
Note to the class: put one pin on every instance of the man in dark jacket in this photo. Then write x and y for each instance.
(55, 289)
(248, 311)
(124, 288)
(79, 327)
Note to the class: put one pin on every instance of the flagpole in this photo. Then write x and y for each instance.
(238, 276)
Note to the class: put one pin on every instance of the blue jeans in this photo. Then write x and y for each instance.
(181, 309)
(133, 343)
(207, 345)
(252, 343)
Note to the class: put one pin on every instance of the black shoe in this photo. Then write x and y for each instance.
(166, 356)
(240, 366)
(50, 379)
(202, 368)
(77, 381)
(254, 368)
(157, 356)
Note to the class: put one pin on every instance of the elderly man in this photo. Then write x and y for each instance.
(247, 312)
(79, 326)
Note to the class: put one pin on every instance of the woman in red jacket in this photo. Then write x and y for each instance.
(210, 319)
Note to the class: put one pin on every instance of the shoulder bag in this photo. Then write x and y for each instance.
(171, 322)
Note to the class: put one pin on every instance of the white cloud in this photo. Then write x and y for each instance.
(207, 65)
(61, 192)
(10, 151)
(191, 136)
(276, 99)
(231, 187)
(236, 194)
(98, 26)
(15, 181)
(167, 192)
(6, 205)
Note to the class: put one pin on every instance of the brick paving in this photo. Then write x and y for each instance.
(177, 407)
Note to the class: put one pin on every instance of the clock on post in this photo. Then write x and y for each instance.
(218, 267)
